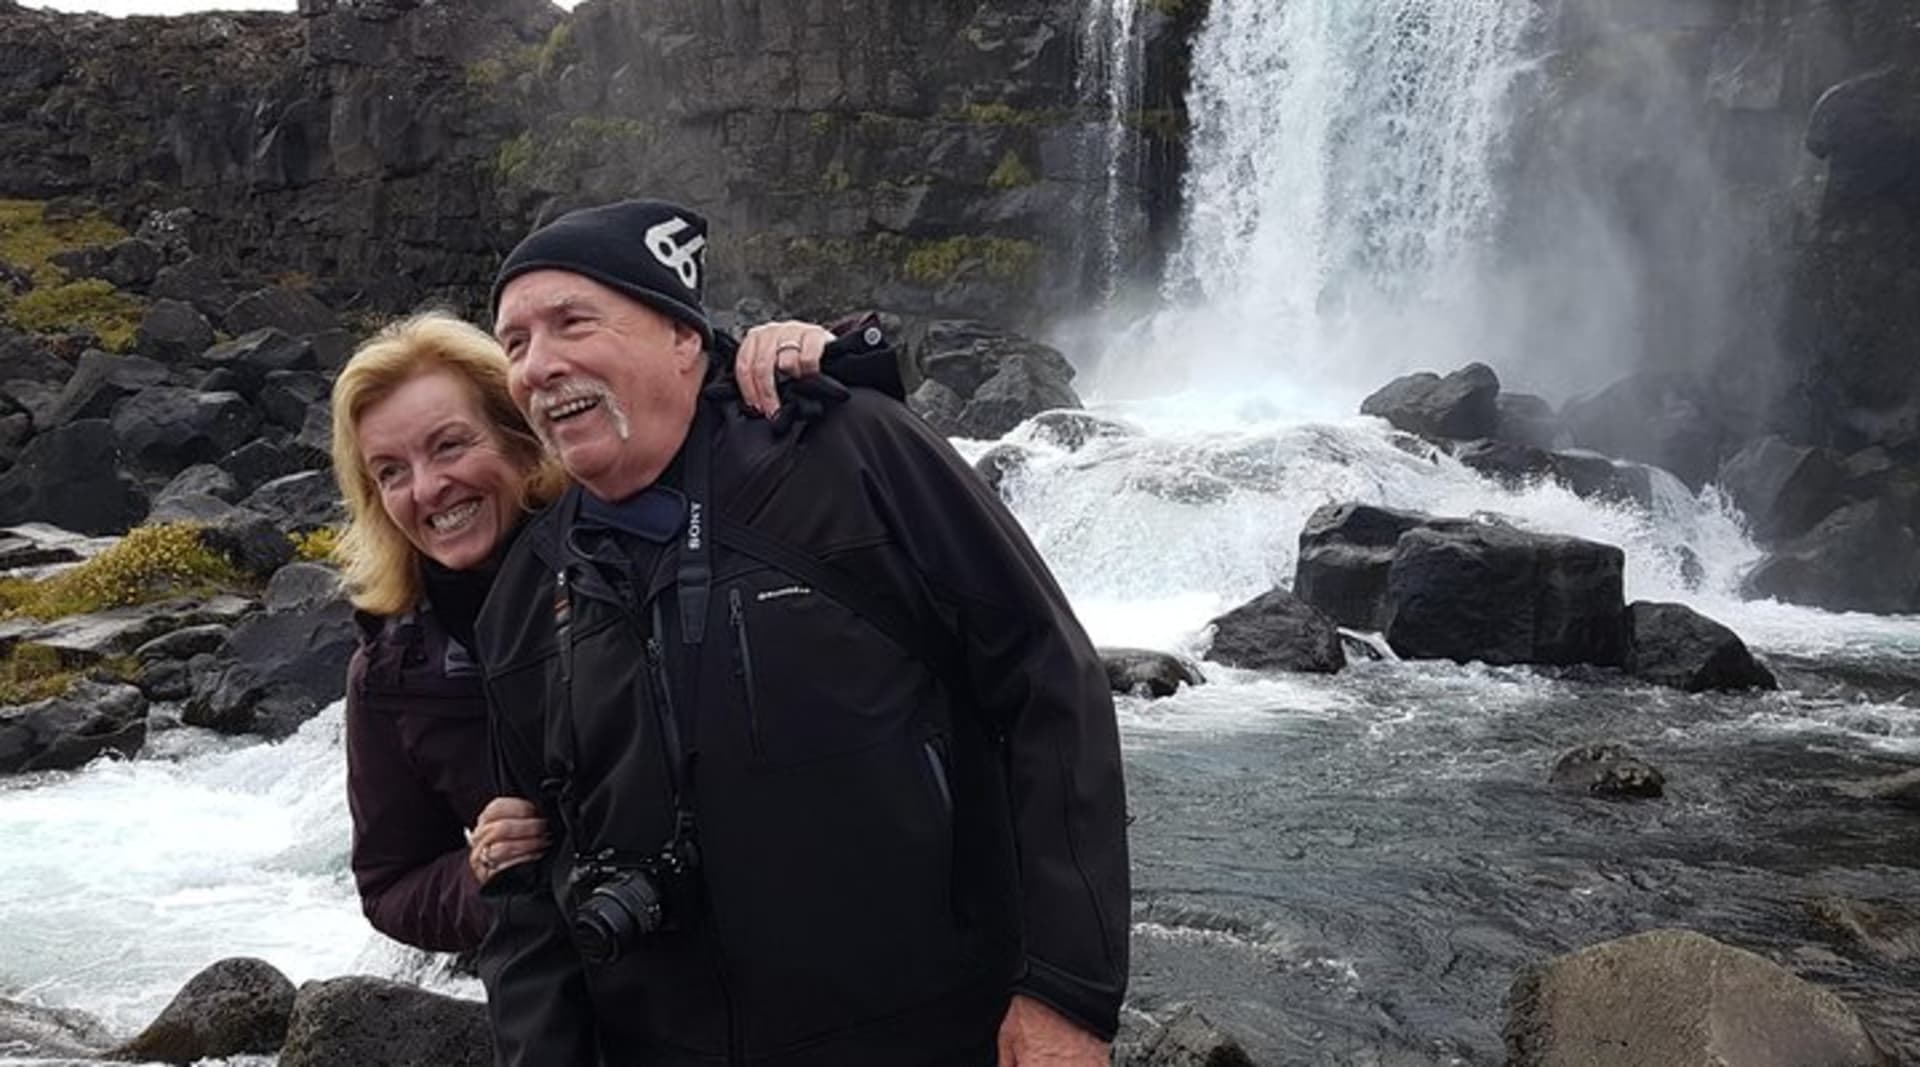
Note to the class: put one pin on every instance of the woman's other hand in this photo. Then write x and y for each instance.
(508, 833)
(790, 348)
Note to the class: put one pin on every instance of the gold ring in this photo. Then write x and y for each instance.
(786, 346)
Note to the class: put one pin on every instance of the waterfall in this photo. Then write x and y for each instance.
(1108, 85)
(1341, 192)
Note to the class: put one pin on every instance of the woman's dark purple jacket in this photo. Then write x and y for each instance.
(417, 776)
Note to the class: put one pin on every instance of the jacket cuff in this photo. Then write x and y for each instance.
(1093, 1008)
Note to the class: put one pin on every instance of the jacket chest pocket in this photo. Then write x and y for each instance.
(811, 678)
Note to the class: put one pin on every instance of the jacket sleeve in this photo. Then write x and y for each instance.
(1037, 678)
(409, 854)
(537, 999)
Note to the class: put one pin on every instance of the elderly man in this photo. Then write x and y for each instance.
(836, 767)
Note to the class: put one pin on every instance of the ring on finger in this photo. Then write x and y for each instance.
(786, 346)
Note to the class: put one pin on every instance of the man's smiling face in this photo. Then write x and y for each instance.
(607, 382)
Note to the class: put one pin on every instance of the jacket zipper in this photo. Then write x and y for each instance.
(743, 668)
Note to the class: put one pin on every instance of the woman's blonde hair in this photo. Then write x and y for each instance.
(382, 567)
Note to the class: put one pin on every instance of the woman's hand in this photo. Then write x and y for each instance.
(509, 832)
(790, 348)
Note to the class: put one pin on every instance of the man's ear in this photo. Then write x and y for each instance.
(688, 348)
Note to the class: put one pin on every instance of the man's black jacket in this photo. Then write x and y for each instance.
(889, 846)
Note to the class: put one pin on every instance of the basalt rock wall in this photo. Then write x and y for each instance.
(922, 155)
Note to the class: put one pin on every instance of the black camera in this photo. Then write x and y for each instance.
(618, 902)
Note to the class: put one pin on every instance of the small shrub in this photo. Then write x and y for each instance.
(316, 546)
(1011, 173)
(149, 563)
(557, 49)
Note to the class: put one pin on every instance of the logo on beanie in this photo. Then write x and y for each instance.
(682, 259)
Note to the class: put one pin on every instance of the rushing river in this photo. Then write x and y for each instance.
(1344, 869)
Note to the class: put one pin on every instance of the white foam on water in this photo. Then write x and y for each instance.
(126, 878)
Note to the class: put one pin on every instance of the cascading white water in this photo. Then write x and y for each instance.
(123, 881)
(1341, 191)
(1107, 84)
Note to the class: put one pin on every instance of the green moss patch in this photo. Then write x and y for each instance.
(92, 305)
(999, 258)
(149, 563)
(28, 239)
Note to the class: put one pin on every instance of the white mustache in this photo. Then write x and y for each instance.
(568, 391)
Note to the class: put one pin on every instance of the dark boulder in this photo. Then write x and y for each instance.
(258, 462)
(172, 332)
(71, 477)
(99, 382)
(1783, 489)
(68, 731)
(282, 665)
(1527, 420)
(1675, 997)
(1512, 465)
(1277, 631)
(1592, 476)
(1492, 593)
(252, 357)
(290, 311)
(999, 379)
(36, 1033)
(940, 407)
(1461, 406)
(234, 1007)
(1862, 557)
(1186, 1039)
(371, 1022)
(299, 502)
(27, 357)
(167, 429)
(1609, 771)
(1673, 645)
(1345, 553)
(255, 543)
(1139, 670)
(197, 281)
(201, 479)
(184, 643)
(288, 395)
(1658, 419)
(133, 264)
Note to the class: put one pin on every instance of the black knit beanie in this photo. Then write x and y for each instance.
(652, 251)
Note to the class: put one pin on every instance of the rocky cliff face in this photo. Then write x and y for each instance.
(1740, 178)
(923, 156)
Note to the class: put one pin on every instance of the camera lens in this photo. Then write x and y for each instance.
(614, 915)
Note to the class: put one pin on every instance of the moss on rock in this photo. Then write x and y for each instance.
(149, 563)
